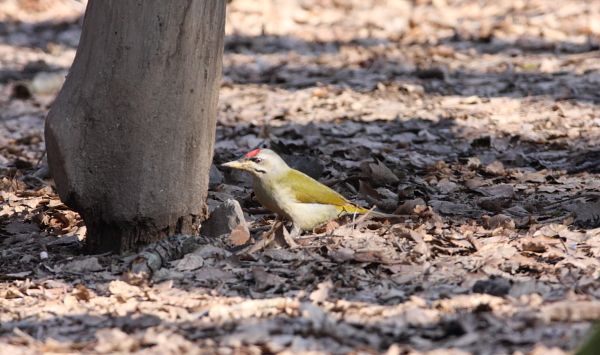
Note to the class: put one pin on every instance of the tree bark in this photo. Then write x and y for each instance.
(130, 136)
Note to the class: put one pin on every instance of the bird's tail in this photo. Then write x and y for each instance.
(351, 209)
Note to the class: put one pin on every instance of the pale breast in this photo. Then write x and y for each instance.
(269, 200)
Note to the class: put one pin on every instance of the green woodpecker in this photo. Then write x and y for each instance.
(291, 193)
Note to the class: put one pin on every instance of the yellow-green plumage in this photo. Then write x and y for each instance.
(308, 190)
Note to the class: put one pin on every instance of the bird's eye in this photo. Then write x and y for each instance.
(256, 160)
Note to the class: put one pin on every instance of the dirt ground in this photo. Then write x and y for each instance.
(478, 120)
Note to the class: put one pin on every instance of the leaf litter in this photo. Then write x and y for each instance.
(479, 125)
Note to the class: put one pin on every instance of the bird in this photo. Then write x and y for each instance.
(292, 194)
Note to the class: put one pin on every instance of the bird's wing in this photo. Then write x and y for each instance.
(308, 190)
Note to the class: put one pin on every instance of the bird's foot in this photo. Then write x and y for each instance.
(295, 233)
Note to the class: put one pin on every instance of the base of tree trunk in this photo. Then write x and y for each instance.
(120, 237)
(130, 137)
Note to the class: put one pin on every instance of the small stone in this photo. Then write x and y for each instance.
(224, 219)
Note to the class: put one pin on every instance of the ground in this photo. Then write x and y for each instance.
(478, 121)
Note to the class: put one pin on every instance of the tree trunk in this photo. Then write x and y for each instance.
(130, 136)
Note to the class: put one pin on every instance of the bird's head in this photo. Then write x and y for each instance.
(261, 163)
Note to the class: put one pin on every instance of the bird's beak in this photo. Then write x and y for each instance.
(236, 164)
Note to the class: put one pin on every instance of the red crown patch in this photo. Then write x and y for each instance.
(252, 153)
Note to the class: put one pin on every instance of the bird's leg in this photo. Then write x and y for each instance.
(296, 231)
